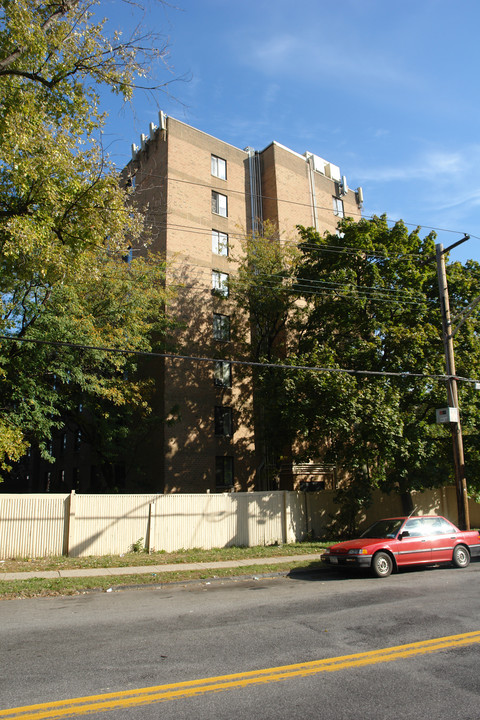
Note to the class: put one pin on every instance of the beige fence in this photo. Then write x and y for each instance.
(79, 525)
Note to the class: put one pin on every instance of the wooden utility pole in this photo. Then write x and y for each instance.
(456, 428)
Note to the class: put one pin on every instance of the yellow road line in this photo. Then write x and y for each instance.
(160, 693)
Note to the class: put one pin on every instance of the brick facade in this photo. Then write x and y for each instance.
(173, 178)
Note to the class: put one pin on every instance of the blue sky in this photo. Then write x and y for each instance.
(389, 91)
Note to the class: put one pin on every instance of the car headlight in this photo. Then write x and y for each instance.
(357, 551)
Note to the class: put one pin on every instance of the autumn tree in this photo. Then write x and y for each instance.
(66, 225)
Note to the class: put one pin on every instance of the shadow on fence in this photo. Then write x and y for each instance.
(39, 525)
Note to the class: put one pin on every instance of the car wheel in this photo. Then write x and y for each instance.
(461, 557)
(382, 564)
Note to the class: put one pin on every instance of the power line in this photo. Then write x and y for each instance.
(244, 193)
(346, 285)
(247, 363)
(335, 249)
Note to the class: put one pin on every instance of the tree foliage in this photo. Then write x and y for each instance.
(366, 301)
(66, 225)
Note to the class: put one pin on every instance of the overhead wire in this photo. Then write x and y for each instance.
(248, 363)
(223, 190)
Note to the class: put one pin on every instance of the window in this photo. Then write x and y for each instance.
(222, 374)
(128, 257)
(415, 527)
(75, 478)
(224, 471)
(219, 243)
(219, 167)
(223, 421)
(437, 526)
(221, 327)
(220, 283)
(219, 204)
(77, 440)
(338, 207)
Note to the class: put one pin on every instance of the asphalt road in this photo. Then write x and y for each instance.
(52, 649)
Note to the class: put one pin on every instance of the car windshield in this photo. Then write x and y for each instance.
(383, 529)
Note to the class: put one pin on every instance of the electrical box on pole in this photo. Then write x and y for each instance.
(447, 415)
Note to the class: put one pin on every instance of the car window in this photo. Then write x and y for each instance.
(415, 527)
(438, 526)
(383, 529)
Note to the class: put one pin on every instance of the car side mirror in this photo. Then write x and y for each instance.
(403, 534)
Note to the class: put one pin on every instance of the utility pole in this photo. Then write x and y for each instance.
(448, 333)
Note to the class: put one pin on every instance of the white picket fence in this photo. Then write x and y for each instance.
(40, 525)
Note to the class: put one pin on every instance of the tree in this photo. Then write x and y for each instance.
(66, 224)
(62, 373)
(262, 288)
(367, 302)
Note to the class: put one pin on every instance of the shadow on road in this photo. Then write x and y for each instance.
(318, 571)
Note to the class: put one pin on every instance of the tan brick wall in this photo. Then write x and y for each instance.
(174, 180)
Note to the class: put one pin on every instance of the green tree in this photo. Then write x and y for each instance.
(66, 224)
(262, 287)
(366, 299)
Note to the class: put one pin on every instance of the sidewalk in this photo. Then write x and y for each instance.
(146, 569)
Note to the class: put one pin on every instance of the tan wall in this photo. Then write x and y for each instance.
(174, 184)
(82, 525)
(174, 180)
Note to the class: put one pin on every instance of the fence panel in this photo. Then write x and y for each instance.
(217, 520)
(33, 525)
(108, 524)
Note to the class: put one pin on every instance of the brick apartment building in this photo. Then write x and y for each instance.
(203, 195)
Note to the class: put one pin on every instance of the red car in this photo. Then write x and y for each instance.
(394, 542)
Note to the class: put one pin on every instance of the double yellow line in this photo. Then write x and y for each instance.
(161, 693)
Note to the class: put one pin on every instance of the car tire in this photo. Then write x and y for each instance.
(382, 565)
(460, 557)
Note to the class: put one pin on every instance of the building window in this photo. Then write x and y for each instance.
(223, 421)
(221, 327)
(338, 207)
(224, 471)
(220, 283)
(222, 374)
(219, 204)
(128, 257)
(219, 243)
(219, 167)
(75, 478)
(77, 440)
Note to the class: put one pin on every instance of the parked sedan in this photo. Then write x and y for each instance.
(394, 542)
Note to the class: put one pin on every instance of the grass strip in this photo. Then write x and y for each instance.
(40, 587)
(135, 559)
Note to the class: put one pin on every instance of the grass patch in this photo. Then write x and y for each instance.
(38, 587)
(137, 559)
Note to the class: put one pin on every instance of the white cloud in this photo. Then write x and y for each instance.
(441, 167)
(310, 59)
